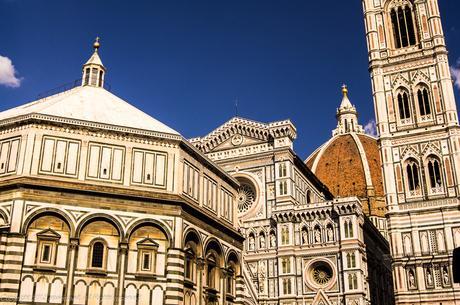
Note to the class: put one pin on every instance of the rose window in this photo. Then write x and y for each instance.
(246, 197)
(321, 273)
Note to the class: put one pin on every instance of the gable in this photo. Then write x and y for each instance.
(239, 132)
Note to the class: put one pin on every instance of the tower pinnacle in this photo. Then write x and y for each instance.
(347, 116)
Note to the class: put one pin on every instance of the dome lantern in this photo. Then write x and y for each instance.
(93, 69)
(347, 116)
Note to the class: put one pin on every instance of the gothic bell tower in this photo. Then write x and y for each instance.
(417, 121)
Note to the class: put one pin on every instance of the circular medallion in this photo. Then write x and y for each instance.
(237, 140)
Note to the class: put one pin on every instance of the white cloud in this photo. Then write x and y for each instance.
(456, 74)
(8, 73)
(370, 128)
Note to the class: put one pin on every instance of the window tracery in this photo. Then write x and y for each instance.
(433, 166)
(413, 178)
(424, 103)
(404, 107)
(403, 26)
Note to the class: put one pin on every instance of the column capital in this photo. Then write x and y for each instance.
(74, 242)
(123, 247)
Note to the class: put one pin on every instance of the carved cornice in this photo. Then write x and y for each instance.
(35, 117)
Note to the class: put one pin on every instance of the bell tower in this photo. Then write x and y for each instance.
(419, 136)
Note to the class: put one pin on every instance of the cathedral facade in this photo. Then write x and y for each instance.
(102, 204)
(303, 245)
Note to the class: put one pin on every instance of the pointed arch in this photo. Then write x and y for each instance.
(422, 94)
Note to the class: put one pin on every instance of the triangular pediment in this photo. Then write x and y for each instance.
(240, 132)
(148, 242)
(321, 299)
(48, 234)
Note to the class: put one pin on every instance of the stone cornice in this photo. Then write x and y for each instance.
(41, 118)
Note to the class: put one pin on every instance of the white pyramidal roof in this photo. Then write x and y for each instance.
(89, 104)
(94, 60)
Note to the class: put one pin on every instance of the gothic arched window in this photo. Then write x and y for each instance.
(423, 101)
(413, 180)
(348, 226)
(434, 172)
(402, 22)
(403, 105)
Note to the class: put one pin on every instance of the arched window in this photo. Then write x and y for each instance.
(413, 180)
(286, 265)
(402, 22)
(348, 228)
(97, 255)
(403, 105)
(211, 272)
(434, 172)
(352, 281)
(282, 170)
(231, 280)
(351, 260)
(287, 286)
(423, 101)
(283, 188)
(189, 264)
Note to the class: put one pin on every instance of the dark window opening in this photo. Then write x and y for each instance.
(98, 255)
(404, 108)
(423, 101)
(434, 173)
(403, 27)
(46, 255)
(412, 176)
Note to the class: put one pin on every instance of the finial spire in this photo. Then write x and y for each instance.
(96, 44)
(345, 90)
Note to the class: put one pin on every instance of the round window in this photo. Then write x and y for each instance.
(320, 274)
(246, 196)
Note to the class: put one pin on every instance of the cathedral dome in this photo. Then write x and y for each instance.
(349, 163)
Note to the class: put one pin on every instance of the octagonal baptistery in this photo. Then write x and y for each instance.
(349, 164)
(103, 204)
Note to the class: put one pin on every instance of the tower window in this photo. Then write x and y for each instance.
(348, 228)
(282, 170)
(434, 172)
(403, 26)
(413, 176)
(423, 102)
(404, 108)
(287, 289)
(352, 281)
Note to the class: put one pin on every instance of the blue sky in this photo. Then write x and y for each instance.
(185, 62)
